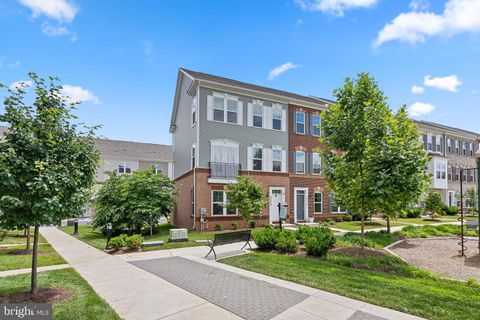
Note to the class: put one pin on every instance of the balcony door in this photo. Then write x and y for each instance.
(224, 159)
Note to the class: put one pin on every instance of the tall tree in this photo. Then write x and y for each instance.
(353, 127)
(471, 198)
(401, 165)
(47, 163)
(246, 196)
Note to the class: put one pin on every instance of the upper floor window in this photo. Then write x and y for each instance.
(316, 123)
(218, 109)
(429, 142)
(224, 108)
(471, 175)
(449, 172)
(194, 110)
(124, 167)
(440, 170)
(316, 163)
(277, 118)
(438, 143)
(317, 202)
(470, 149)
(464, 148)
(300, 122)
(457, 147)
(457, 173)
(277, 156)
(300, 162)
(257, 115)
(219, 200)
(257, 156)
(464, 175)
(449, 145)
(158, 168)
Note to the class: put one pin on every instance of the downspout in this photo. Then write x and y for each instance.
(196, 160)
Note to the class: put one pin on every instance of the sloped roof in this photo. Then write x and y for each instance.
(444, 127)
(134, 150)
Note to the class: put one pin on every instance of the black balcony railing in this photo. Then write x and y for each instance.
(224, 170)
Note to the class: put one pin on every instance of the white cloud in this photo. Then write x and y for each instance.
(335, 7)
(458, 16)
(281, 69)
(417, 5)
(418, 109)
(79, 94)
(449, 83)
(21, 84)
(417, 89)
(60, 10)
(58, 31)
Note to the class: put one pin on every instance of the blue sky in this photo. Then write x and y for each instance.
(121, 57)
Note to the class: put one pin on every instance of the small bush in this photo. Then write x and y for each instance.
(3, 234)
(252, 224)
(287, 242)
(266, 238)
(268, 226)
(414, 213)
(218, 227)
(304, 232)
(450, 211)
(347, 217)
(234, 226)
(321, 240)
(134, 241)
(118, 242)
(328, 220)
(338, 219)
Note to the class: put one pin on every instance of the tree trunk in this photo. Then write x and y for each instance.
(27, 231)
(151, 229)
(34, 288)
(388, 224)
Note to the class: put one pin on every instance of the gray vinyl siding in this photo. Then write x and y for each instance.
(244, 135)
(185, 134)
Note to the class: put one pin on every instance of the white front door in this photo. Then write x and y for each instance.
(277, 195)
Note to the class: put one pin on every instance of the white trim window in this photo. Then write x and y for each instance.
(277, 118)
(464, 175)
(219, 200)
(316, 125)
(224, 151)
(334, 207)
(277, 160)
(471, 149)
(300, 122)
(440, 171)
(317, 202)
(257, 158)
(194, 110)
(158, 168)
(125, 168)
(438, 143)
(316, 163)
(449, 146)
(464, 148)
(300, 162)
(232, 111)
(225, 108)
(449, 172)
(457, 147)
(257, 116)
(429, 142)
(218, 108)
(471, 175)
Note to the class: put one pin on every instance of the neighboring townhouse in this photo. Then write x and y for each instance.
(451, 149)
(224, 128)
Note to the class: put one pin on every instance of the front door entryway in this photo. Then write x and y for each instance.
(277, 195)
(451, 198)
(301, 205)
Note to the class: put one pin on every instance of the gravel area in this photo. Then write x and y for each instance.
(440, 255)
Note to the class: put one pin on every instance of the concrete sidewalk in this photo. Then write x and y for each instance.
(138, 294)
(28, 270)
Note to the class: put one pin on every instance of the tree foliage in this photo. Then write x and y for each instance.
(47, 163)
(471, 198)
(247, 196)
(134, 200)
(433, 204)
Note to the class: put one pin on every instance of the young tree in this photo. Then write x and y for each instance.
(471, 199)
(246, 196)
(47, 165)
(401, 165)
(433, 204)
(353, 128)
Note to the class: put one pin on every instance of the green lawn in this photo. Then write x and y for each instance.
(425, 297)
(16, 237)
(96, 239)
(356, 225)
(85, 304)
(9, 261)
(425, 220)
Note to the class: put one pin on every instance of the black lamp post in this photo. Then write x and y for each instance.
(75, 227)
(109, 233)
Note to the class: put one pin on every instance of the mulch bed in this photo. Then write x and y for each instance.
(121, 251)
(44, 295)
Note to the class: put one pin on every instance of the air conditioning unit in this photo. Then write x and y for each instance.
(178, 235)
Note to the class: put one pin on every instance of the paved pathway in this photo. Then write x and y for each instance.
(28, 270)
(137, 294)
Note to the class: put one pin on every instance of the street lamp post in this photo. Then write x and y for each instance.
(109, 234)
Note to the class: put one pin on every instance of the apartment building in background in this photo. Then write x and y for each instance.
(451, 149)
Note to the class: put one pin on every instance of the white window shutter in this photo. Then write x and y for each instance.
(284, 120)
(268, 159)
(267, 117)
(249, 158)
(265, 159)
(240, 113)
(210, 108)
(284, 160)
(250, 114)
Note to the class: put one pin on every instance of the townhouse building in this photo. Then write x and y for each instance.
(222, 128)
(451, 149)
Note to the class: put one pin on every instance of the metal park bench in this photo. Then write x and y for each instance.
(229, 237)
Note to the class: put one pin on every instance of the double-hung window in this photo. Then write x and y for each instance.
(429, 142)
(471, 175)
(124, 167)
(317, 202)
(257, 115)
(464, 175)
(225, 109)
(300, 162)
(470, 149)
(316, 123)
(219, 200)
(218, 109)
(257, 158)
(464, 148)
(158, 168)
(440, 171)
(457, 173)
(277, 160)
(449, 145)
(300, 122)
(232, 111)
(277, 118)
(316, 163)
(457, 147)
(438, 143)
(449, 172)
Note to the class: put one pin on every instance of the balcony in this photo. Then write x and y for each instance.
(223, 171)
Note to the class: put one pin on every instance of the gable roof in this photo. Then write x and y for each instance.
(134, 150)
(444, 127)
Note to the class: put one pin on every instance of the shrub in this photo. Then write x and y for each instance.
(118, 242)
(268, 226)
(134, 241)
(287, 242)
(347, 217)
(321, 240)
(234, 226)
(218, 227)
(372, 239)
(328, 220)
(414, 213)
(266, 238)
(450, 211)
(252, 224)
(304, 232)
(338, 218)
(3, 234)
